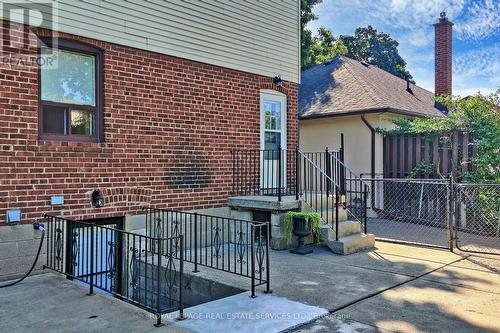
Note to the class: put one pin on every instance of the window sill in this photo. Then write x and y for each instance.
(58, 145)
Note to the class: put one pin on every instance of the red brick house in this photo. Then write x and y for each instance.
(144, 105)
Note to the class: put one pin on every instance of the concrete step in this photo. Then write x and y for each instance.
(346, 228)
(352, 243)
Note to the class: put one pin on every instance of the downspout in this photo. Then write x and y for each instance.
(372, 130)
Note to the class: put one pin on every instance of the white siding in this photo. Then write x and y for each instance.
(256, 36)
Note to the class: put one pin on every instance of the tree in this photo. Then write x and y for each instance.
(376, 48)
(326, 46)
(306, 39)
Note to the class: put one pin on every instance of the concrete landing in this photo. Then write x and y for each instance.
(262, 202)
(243, 314)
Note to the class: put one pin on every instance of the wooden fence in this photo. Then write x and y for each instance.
(447, 153)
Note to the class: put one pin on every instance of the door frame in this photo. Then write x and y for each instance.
(276, 96)
(272, 95)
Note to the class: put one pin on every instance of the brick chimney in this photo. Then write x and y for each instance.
(442, 56)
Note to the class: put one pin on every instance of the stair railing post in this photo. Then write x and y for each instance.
(327, 172)
(337, 213)
(342, 165)
(365, 203)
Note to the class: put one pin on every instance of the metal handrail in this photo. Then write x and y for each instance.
(217, 242)
(338, 187)
(316, 166)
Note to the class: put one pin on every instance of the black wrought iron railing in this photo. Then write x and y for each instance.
(264, 172)
(230, 245)
(354, 189)
(142, 270)
(327, 185)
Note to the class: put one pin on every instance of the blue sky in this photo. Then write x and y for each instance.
(476, 35)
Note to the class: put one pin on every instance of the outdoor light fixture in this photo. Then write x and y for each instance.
(97, 199)
(278, 81)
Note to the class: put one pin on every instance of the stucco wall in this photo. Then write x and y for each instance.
(317, 134)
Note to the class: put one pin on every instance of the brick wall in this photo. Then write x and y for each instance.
(169, 124)
(443, 57)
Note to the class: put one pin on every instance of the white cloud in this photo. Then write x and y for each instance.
(481, 19)
(483, 63)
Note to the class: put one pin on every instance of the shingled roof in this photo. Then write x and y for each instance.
(345, 86)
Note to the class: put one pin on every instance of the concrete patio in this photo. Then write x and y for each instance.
(392, 288)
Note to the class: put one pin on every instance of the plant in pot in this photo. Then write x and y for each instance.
(302, 224)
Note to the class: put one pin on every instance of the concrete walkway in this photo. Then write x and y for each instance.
(51, 303)
(393, 288)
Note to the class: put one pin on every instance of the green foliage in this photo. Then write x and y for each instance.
(306, 38)
(326, 46)
(478, 115)
(313, 221)
(376, 48)
(422, 167)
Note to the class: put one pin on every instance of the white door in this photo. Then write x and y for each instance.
(272, 135)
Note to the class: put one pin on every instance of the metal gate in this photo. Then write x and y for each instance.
(477, 217)
(410, 211)
(436, 213)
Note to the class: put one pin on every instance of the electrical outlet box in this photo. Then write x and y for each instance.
(13, 216)
(57, 200)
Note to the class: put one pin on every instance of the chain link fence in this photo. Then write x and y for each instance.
(477, 217)
(410, 211)
(435, 213)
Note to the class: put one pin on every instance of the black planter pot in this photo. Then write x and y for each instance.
(301, 230)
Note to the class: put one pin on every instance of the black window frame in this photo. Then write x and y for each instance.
(82, 48)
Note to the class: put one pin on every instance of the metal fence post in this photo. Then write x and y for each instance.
(252, 260)
(181, 273)
(195, 243)
(268, 273)
(451, 210)
(92, 250)
(158, 289)
(279, 172)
